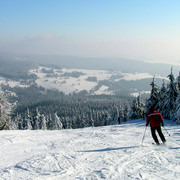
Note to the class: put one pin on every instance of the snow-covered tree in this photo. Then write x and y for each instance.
(106, 119)
(133, 112)
(83, 120)
(96, 118)
(115, 115)
(91, 120)
(137, 108)
(17, 122)
(170, 102)
(162, 98)
(49, 122)
(153, 100)
(57, 124)
(36, 119)
(178, 81)
(74, 122)
(125, 113)
(43, 124)
(27, 120)
(121, 114)
(178, 108)
(140, 107)
(178, 101)
(77, 122)
(5, 112)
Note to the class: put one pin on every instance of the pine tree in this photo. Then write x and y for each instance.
(178, 81)
(140, 106)
(74, 122)
(153, 100)
(57, 125)
(5, 112)
(125, 113)
(19, 121)
(100, 118)
(27, 120)
(14, 123)
(178, 101)
(133, 112)
(78, 122)
(91, 120)
(162, 98)
(49, 122)
(137, 109)
(115, 115)
(178, 108)
(105, 119)
(83, 120)
(170, 103)
(36, 120)
(43, 125)
(121, 114)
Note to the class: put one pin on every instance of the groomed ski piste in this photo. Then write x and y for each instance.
(109, 152)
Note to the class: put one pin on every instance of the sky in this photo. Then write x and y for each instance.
(137, 29)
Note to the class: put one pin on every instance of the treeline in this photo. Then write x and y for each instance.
(16, 69)
(72, 112)
(165, 99)
(39, 108)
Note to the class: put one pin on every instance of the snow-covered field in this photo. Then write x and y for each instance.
(11, 83)
(70, 84)
(76, 84)
(111, 152)
(77, 80)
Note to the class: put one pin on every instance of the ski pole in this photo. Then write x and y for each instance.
(144, 135)
(166, 131)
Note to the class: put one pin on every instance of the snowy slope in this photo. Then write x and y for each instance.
(111, 152)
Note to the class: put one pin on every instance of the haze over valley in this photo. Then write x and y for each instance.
(72, 74)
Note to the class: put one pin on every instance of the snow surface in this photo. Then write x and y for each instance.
(109, 152)
(103, 90)
(136, 94)
(11, 83)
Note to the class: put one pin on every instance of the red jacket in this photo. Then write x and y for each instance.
(155, 119)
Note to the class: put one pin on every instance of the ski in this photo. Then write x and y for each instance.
(161, 144)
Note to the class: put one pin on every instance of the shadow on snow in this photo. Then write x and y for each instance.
(110, 149)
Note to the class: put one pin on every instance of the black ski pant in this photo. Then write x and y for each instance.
(153, 132)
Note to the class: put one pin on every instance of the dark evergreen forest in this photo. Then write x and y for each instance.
(74, 110)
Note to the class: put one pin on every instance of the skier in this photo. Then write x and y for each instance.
(155, 119)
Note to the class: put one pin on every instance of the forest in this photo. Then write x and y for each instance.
(35, 107)
(73, 111)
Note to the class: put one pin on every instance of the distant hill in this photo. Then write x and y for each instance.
(100, 63)
(15, 68)
(119, 76)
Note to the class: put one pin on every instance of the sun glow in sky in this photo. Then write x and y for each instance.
(137, 29)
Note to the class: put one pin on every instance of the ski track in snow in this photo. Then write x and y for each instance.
(111, 152)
